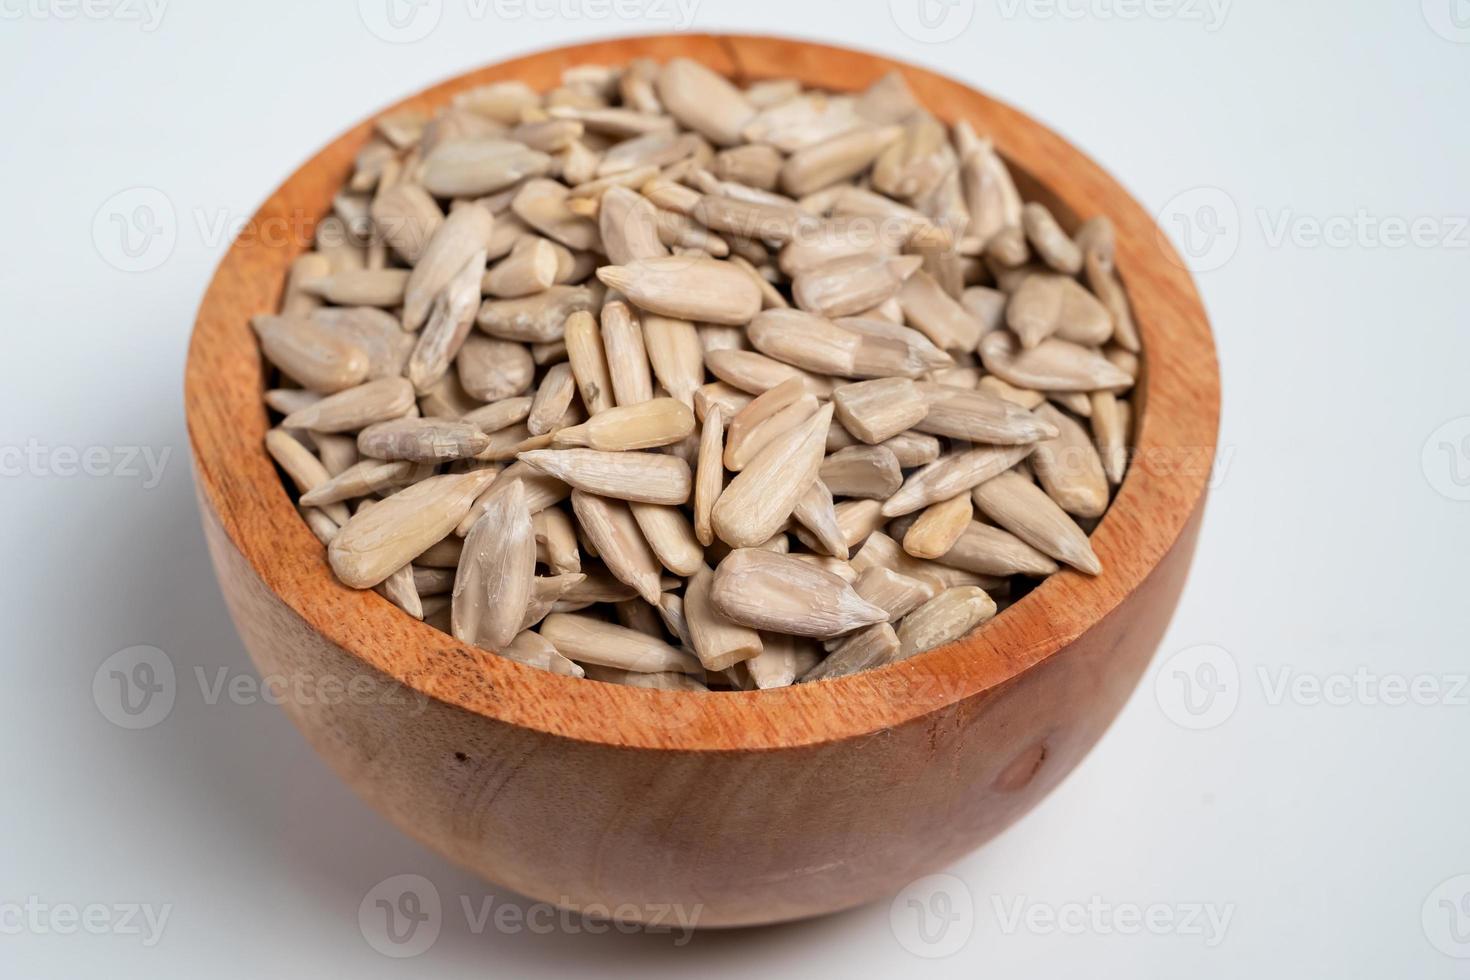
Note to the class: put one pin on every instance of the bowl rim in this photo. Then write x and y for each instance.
(1175, 435)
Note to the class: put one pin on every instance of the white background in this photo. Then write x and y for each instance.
(1331, 834)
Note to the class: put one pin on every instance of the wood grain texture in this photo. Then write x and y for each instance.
(758, 806)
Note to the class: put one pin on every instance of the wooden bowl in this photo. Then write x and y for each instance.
(743, 808)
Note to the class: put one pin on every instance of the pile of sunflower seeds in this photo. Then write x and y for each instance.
(660, 381)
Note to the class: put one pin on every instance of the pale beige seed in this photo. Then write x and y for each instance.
(499, 415)
(1024, 397)
(718, 642)
(709, 480)
(703, 101)
(507, 443)
(401, 590)
(553, 396)
(754, 220)
(890, 349)
(501, 102)
(614, 534)
(987, 550)
(670, 195)
(548, 135)
(953, 474)
(1053, 365)
(492, 585)
(896, 594)
(870, 472)
(647, 425)
(365, 477)
(1069, 468)
(987, 305)
(320, 524)
(757, 373)
(659, 149)
(345, 411)
(475, 166)
(463, 234)
(820, 165)
(923, 235)
(782, 659)
(870, 647)
(615, 122)
(755, 165)
(943, 619)
(627, 357)
(939, 527)
(671, 536)
(297, 301)
(538, 318)
(879, 409)
(594, 641)
(687, 287)
(675, 354)
(442, 554)
(361, 287)
(834, 238)
(309, 353)
(1008, 249)
(305, 470)
(530, 267)
(375, 332)
(717, 394)
(542, 491)
(975, 415)
(1054, 245)
(421, 440)
(648, 477)
(447, 399)
(659, 681)
(913, 448)
(989, 191)
(337, 452)
(1108, 433)
(882, 551)
(761, 498)
(914, 165)
(542, 204)
(378, 542)
(852, 283)
(1054, 305)
(1103, 280)
(406, 218)
(492, 370)
(535, 650)
(938, 315)
(450, 320)
(588, 362)
(803, 121)
(688, 238)
(1022, 508)
(817, 513)
(641, 616)
(628, 224)
(770, 591)
(556, 541)
(805, 341)
(766, 418)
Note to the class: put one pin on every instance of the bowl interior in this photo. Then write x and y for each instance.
(1176, 403)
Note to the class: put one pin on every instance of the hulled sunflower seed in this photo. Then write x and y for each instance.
(896, 594)
(1052, 365)
(987, 550)
(463, 234)
(535, 650)
(538, 318)
(1069, 468)
(310, 353)
(557, 389)
(953, 474)
(703, 101)
(687, 287)
(939, 527)
(647, 477)
(823, 164)
(646, 425)
(492, 585)
(593, 641)
(421, 440)
(718, 642)
(1054, 245)
(865, 649)
(975, 415)
(588, 361)
(472, 167)
(450, 320)
(943, 619)
(879, 409)
(1022, 508)
(862, 471)
(375, 401)
(769, 591)
(1108, 432)
(361, 287)
(612, 530)
(1048, 305)
(763, 495)
(818, 514)
(376, 543)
